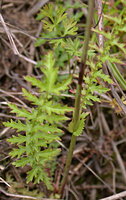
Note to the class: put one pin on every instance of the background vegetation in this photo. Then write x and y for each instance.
(42, 53)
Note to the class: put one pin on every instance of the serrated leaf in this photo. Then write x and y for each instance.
(17, 139)
(84, 115)
(40, 127)
(46, 12)
(49, 153)
(60, 15)
(37, 174)
(87, 102)
(22, 162)
(98, 88)
(73, 47)
(51, 77)
(33, 173)
(80, 127)
(61, 86)
(81, 124)
(70, 127)
(36, 82)
(16, 125)
(107, 35)
(32, 97)
(47, 25)
(48, 137)
(70, 27)
(54, 118)
(113, 18)
(21, 112)
(46, 128)
(92, 97)
(18, 152)
(103, 76)
(41, 143)
(49, 61)
(56, 108)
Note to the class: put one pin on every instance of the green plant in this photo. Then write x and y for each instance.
(114, 50)
(42, 125)
(21, 189)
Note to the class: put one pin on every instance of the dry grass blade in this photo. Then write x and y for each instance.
(120, 161)
(115, 196)
(9, 35)
(36, 7)
(3, 181)
(11, 40)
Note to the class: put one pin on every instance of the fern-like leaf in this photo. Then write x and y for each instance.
(40, 128)
(16, 125)
(103, 76)
(70, 27)
(38, 175)
(36, 82)
(17, 152)
(62, 86)
(50, 108)
(21, 112)
(17, 139)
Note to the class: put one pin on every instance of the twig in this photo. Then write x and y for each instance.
(4, 131)
(9, 35)
(98, 177)
(13, 45)
(120, 162)
(115, 196)
(3, 181)
(17, 99)
(14, 29)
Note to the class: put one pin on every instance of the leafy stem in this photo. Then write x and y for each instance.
(77, 111)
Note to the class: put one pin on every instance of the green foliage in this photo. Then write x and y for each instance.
(80, 125)
(114, 50)
(49, 83)
(40, 125)
(19, 188)
(92, 85)
(73, 47)
(57, 23)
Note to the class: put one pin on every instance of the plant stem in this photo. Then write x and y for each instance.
(77, 111)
